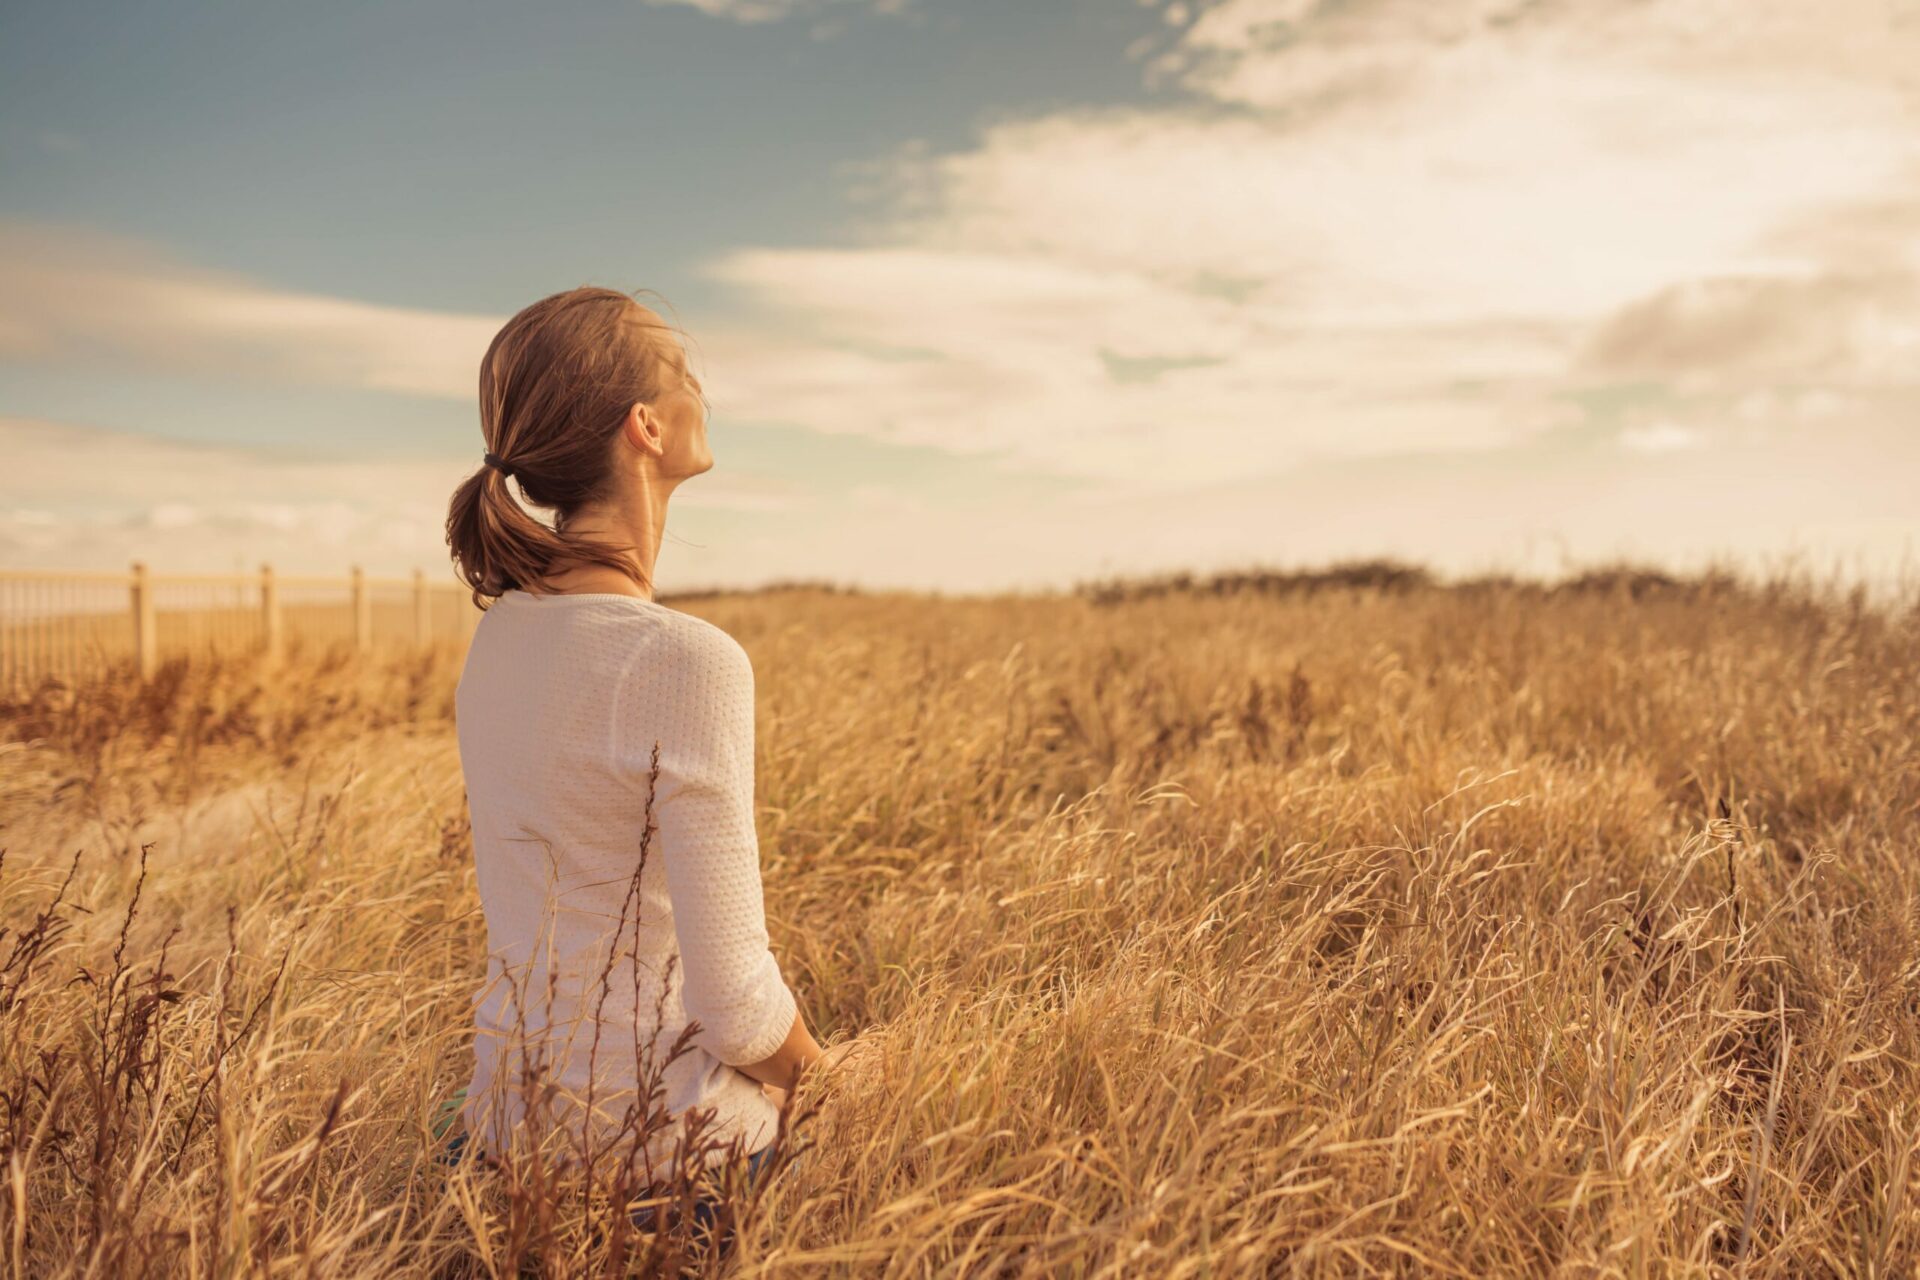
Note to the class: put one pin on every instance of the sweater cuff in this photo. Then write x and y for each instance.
(779, 1020)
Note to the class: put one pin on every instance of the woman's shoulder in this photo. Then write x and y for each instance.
(690, 654)
(700, 636)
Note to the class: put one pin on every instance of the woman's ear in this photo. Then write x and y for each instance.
(642, 429)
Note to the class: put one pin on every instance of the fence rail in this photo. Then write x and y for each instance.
(71, 624)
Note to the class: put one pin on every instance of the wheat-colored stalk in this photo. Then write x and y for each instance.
(1265, 926)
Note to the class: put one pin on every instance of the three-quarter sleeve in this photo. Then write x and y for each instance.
(700, 709)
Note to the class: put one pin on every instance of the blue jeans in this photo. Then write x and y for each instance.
(704, 1207)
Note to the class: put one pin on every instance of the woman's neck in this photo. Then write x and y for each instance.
(636, 517)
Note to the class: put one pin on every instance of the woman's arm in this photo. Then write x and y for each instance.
(731, 984)
(795, 1054)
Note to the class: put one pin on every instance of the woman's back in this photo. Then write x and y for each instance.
(559, 708)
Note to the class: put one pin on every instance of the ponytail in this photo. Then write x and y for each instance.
(497, 546)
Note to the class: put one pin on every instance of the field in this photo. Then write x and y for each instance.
(1329, 925)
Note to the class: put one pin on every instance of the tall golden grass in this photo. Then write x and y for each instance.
(1318, 926)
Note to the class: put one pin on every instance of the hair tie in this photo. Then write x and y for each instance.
(495, 462)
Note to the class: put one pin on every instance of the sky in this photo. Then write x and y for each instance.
(985, 294)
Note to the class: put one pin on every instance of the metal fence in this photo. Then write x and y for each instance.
(70, 625)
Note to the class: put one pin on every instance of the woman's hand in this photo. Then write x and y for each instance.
(834, 1055)
(853, 1057)
(837, 1059)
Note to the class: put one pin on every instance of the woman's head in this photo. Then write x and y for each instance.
(583, 395)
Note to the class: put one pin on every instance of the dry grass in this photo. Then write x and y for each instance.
(1374, 928)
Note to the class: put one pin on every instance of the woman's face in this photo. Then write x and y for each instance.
(683, 412)
(680, 412)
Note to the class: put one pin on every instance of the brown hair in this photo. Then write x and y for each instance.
(555, 385)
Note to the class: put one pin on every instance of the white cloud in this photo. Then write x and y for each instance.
(754, 11)
(1357, 267)
(736, 10)
(1386, 226)
(1288, 53)
(1533, 510)
(1838, 328)
(66, 294)
(1661, 437)
(170, 515)
(882, 497)
(73, 495)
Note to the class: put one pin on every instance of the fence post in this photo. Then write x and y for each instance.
(146, 637)
(272, 634)
(422, 609)
(362, 612)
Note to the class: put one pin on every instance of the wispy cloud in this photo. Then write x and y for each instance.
(68, 295)
(1365, 229)
(1661, 437)
(755, 11)
(1605, 267)
(1833, 327)
(72, 494)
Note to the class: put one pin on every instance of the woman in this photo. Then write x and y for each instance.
(586, 707)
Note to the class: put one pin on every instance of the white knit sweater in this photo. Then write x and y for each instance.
(558, 710)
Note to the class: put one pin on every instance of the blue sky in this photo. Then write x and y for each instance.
(472, 153)
(986, 293)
